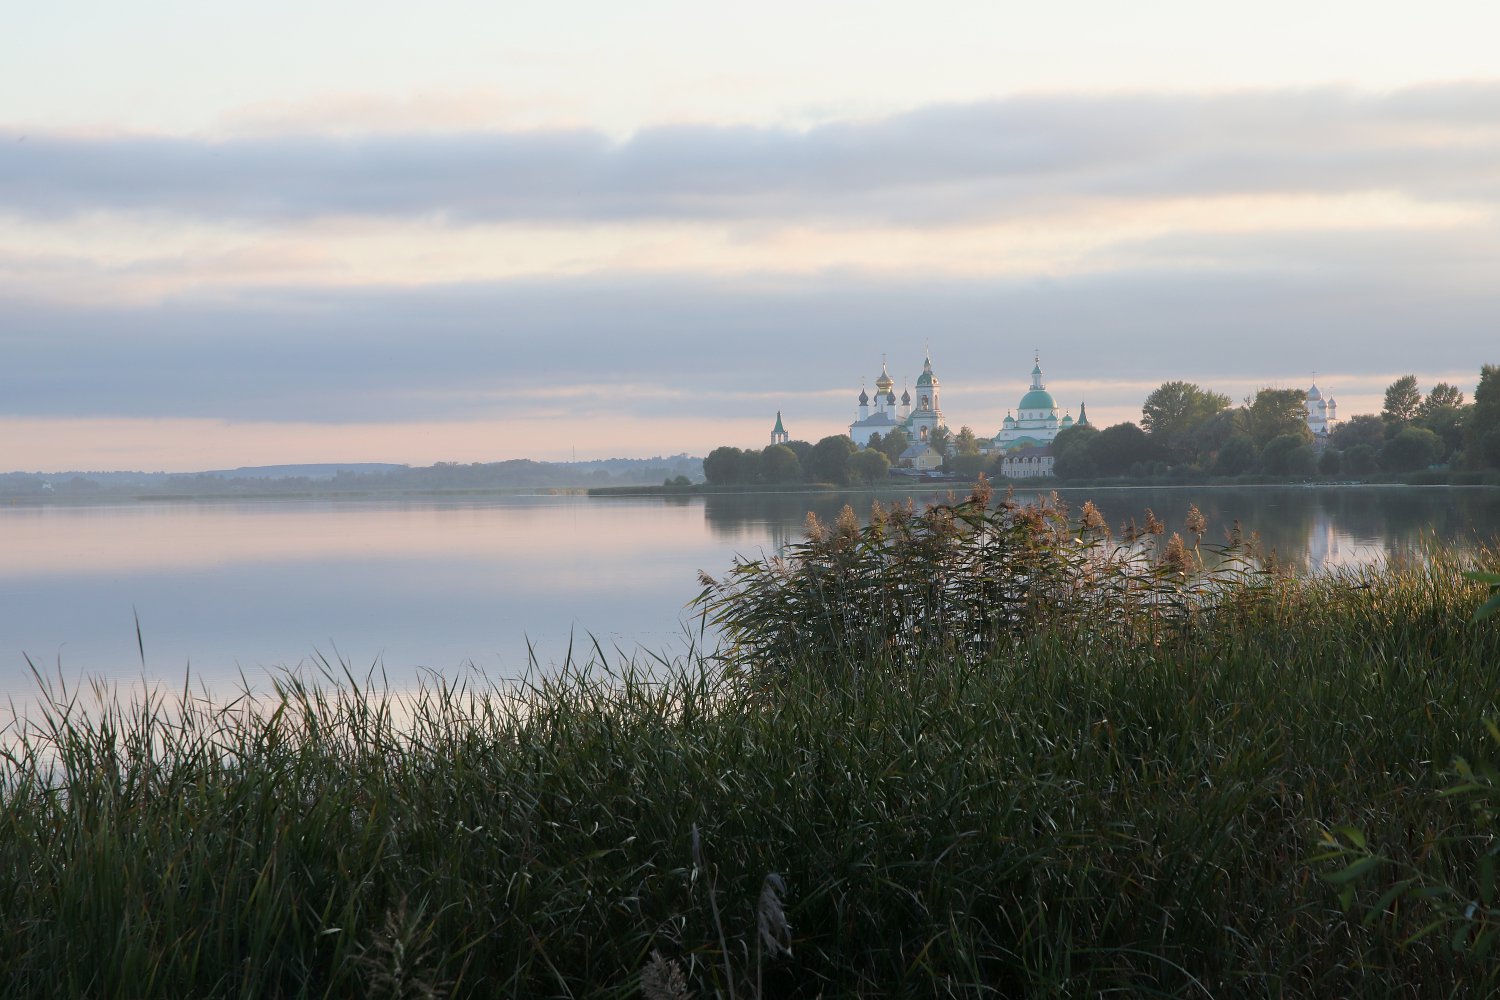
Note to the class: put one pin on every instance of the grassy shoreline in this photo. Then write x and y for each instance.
(1064, 813)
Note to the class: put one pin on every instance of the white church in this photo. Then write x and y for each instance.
(917, 420)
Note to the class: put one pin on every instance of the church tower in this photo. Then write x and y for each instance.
(778, 433)
(885, 392)
(927, 415)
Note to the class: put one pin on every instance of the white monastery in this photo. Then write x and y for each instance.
(1322, 415)
(1024, 441)
(1025, 438)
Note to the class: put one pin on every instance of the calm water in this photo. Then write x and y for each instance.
(225, 589)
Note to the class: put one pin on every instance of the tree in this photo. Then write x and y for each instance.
(968, 464)
(724, 466)
(1362, 459)
(1482, 429)
(830, 459)
(1411, 449)
(893, 445)
(1330, 463)
(1275, 412)
(1215, 432)
(1119, 447)
(1072, 455)
(939, 440)
(1288, 455)
(869, 465)
(803, 450)
(1173, 413)
(779, 464)
(1402, 397)
(966, 442)
(1365, 428)
(1442, 396)
(1237, 457)
(1447, 422)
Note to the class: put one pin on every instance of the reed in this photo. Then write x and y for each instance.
(1122, 783)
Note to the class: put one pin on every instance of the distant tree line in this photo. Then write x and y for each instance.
(1189, 431)
(1186, 432)
(511, 474)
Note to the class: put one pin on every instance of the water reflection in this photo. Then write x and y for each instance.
(1310, 528)
(441, 583)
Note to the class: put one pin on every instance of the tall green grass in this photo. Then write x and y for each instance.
(1134, 809)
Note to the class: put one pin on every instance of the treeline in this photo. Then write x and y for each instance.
(835, 459)
(512, 474)
(1186, 432)
(1190, 432)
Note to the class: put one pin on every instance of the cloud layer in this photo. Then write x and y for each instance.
(710, 275)
(935, 165)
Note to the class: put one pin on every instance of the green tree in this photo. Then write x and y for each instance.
(939, 440)
(803, 450)
(1447, 422)
(1275, 412)
(1362, 459)
(966, 443)
(1119, 447)
(1288, 455)
(893, 445)
(1365, 428)
(1174, 412)
(1402, 397)
(1482, 428)
(1330, 463)
(1441, 397)
(830, 459)
(724, 466)
(1412, 448)
(968, 464)
(869, 465)
(1072, 455)
(779, 464)
(1237, 457)
(1215, 432)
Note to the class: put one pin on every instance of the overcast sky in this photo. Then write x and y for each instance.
(478, 231)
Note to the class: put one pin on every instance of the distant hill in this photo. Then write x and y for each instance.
(356, 477)
(325, 471)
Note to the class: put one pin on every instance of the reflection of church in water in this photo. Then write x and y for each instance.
(1328, 547)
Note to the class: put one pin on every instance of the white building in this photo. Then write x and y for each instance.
(1035, 422)
(881, 416)
(1027, 462)
(1322, 416)
(778, 433)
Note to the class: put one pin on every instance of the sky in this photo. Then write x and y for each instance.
(236, 234)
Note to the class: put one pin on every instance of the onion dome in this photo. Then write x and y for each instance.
(905, 397)
(864, 398)
(926, 378)
(1010, 421)
(1314, 393)
(1037, 399)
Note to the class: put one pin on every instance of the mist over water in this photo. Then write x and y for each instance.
(230, 591)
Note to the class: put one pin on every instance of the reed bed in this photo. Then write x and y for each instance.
(1015, 804)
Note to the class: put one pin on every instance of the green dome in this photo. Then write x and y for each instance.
(1037, 399)
(925, 378)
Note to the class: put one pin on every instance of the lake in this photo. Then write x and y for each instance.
(226, 590)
